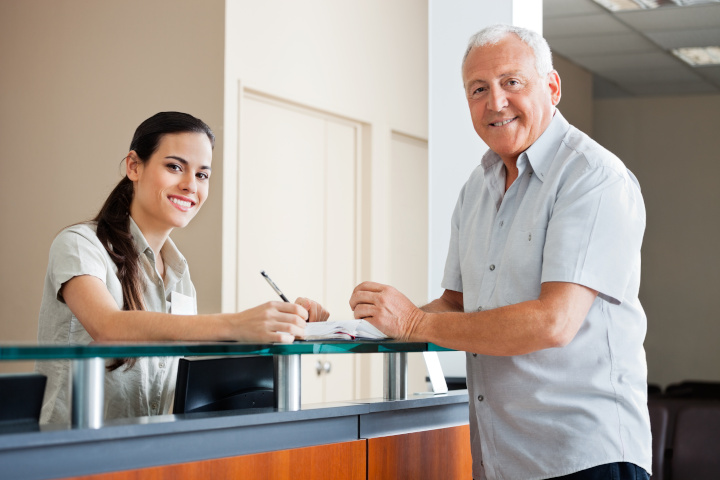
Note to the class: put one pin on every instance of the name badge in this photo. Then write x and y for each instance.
(182, 304)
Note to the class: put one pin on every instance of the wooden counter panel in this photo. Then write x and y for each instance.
(335, 461)
(443, 454)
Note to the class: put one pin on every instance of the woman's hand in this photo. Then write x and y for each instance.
(316, 311)
(271, 322)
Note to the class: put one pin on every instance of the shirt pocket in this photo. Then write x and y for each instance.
(522, 266)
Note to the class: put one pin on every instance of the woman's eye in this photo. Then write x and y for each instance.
(203, 176)
(174, 167)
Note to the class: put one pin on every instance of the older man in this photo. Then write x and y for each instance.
(541, 282)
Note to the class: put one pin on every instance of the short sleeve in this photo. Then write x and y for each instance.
(73, 254)
(595, 232)
(452, 278)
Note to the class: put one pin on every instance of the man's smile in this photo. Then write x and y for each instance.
(503, 122)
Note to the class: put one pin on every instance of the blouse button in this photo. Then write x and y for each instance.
(162, 365)
(480, 398)
(492, 267)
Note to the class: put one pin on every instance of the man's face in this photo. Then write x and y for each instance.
(510, 104)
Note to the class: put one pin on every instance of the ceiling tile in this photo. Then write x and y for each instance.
(703, 37)
(601, 24)
(681, 88)
(710, 73)
(652, 75)
(602, 44)
(672, 18)
(565, 8)
(602, 63)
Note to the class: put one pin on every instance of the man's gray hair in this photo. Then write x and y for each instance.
(494, 33)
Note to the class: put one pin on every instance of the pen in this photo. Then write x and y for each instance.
(274, 287)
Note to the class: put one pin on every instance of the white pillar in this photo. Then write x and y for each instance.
(454, 147)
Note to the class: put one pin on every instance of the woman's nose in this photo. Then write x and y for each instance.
(189, 183)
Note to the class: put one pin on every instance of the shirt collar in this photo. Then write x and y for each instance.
(542, 152)
(174, 260)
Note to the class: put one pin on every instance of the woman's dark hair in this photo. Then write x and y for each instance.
(113, 220)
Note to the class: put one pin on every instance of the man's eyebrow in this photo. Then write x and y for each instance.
(185, 162)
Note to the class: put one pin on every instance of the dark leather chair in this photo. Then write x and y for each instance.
(658, 426)
(696, 443)
(694, 389)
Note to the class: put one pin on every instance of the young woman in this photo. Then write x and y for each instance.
(120, 277)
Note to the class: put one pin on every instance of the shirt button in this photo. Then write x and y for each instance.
(480, 398)
(162, 365)
(492, 267)
(479, 309)
(529, 237)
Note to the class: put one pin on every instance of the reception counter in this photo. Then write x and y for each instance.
(417, 436)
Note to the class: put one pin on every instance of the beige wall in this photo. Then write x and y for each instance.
(576, 102)
(672, 145)
(76, 78)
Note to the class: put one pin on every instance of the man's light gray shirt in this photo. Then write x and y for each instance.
(575, 214)
(147, 388)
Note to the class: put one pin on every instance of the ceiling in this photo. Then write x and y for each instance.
(628, 52)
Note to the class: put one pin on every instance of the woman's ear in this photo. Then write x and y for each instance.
(132, 166)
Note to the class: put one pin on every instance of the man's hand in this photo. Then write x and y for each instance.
(387, 309)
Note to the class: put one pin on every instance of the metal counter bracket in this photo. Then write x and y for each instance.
(88, 392)
(395, 376)
(287, 382)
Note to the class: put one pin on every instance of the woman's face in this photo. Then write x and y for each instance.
(173, 184)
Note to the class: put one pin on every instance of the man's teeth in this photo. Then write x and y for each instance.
(182, 203)
(504, 122)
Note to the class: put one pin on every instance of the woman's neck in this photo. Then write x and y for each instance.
(155, 237)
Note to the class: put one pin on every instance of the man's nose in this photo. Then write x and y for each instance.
(496, 99)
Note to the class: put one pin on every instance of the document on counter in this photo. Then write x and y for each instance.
(342, 330)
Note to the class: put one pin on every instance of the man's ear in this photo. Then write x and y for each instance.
(554, 85)
(132, 166)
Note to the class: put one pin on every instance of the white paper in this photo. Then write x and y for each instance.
(182, 304)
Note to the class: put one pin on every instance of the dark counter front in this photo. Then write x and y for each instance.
(170, 440)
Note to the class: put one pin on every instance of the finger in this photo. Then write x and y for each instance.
(370, 286)
(363, 297)
(294, 308)
(364, 311)
(290, 324)
(281, 337)
(306, 303)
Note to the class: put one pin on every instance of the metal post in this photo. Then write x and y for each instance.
(395, 376)
(88, 392)
(287, 382)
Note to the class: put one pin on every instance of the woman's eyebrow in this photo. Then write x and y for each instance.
(185, 162)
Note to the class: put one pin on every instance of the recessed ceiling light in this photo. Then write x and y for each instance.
(623, 5)
(698, 56)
